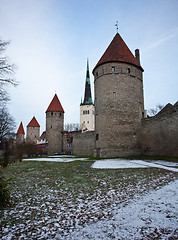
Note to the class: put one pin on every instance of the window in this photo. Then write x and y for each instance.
(114, 95)
(86, 112)
(88, 122)
(113, 69)
(60, 114)
(96, 74)
(97, 136)
(51, 113)
(128, 70)
(51, 127)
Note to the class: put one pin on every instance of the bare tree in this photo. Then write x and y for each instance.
(72, 127)
(7, 124)
(7, 127)
(6, 72)
(154, 111)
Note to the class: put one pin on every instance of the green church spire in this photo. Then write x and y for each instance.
(87, 96)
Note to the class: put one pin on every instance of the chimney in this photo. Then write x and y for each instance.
(137, 55)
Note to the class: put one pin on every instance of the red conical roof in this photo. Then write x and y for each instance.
(55, 105)
(21, 129)
(118, 52)
(33, 123)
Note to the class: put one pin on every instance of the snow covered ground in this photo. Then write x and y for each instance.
(73, 200)
(120, 163)
(153, 216)
(55, 159)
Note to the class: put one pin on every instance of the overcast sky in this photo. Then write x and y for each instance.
(52, 39)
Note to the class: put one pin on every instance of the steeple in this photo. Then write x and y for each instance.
(87, 96)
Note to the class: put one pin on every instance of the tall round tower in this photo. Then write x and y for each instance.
(119, 104)
(54, 126)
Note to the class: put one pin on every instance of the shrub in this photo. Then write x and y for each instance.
(4, 192)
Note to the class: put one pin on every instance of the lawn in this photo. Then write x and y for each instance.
(50, 198)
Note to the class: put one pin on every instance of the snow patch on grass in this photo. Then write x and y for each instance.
(120, 163)
(153, 216)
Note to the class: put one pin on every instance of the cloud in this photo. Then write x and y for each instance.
(164, 38)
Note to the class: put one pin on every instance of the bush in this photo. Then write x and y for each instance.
(4, 192)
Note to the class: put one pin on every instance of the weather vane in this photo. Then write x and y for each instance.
(116, 26)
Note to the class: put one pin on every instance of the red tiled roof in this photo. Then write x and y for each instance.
(21, 129)
(33, 123)
(118, 51)
(55, 105)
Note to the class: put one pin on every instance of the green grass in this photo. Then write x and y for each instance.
(70, 193)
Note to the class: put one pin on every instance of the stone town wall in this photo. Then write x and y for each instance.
(160, 133)
(119, 108)
(83, 143)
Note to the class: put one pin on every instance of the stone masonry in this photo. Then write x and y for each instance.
(160, 133)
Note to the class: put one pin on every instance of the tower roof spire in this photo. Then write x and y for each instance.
(21, 129)
(118, 51)
(87, 96)
(55, 105)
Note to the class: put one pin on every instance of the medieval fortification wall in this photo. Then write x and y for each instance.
(160, 133)
(83, 144)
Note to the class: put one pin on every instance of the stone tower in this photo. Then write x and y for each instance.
(33, 131)
(54, 126)
(20, 134)
(87, 106)
(119, 104)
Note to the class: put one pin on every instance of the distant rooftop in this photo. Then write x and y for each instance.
(33, 123)
(21, 130)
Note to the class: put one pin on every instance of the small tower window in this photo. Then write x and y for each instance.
(60, 114)
(51, 113)
(97, 136)
(128, 70)
(114, 95)
(113, 69)
(88, 112)
(96, 74)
